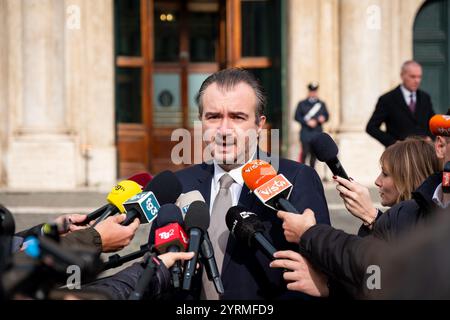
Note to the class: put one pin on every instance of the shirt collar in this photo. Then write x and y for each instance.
(235, 173)
(438, 197)
(406, 92)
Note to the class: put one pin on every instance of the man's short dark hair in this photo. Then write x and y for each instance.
(228, 78)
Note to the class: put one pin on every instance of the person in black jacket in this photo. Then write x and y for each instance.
(405, 110)
(345, 258)
(404, 167)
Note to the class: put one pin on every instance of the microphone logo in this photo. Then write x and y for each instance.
(272, 187)
(166, 235)
(246, 215)
(185, 240)
(119, 188)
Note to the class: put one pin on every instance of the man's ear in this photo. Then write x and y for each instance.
(440, 146)
(262, 122)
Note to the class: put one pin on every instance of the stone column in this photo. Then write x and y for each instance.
(376, 37)
(60, 93)
(313, 55)
(3, 90)
(90, 88)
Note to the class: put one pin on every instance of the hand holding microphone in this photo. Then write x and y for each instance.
(356, 199)
(115, 236)
(295, 225)
(170, 236)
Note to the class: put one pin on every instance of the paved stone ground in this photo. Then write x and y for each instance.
(30, 209)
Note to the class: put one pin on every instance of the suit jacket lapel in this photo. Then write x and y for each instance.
(204, 181)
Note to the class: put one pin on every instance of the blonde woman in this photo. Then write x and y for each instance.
(404, 166)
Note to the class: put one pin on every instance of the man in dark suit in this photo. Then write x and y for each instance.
(231, 109)
(405, 110)
(231, 104)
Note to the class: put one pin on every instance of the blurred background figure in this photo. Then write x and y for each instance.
(405, 110)
(311, 113)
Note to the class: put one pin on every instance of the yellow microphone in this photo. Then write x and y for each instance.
(121, 192)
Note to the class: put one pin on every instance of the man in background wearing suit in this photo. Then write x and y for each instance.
(232, 102)
(405, 110)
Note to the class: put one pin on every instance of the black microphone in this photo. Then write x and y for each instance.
(210, 264)
(197, 223)
(246, 227)
(150, 266)
(326, 151)
(207, 250)
(174, 238)
(117, 260)
(164, 188)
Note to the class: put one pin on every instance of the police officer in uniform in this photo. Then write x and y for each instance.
(311, 113)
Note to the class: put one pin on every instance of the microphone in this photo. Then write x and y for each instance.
(142, 179)
(150, 266)
(326, 151)
(170, 236)
(247, 228)
(197, 223)
(123, 191)
(440, 125)
(207, 250)
(116, 260)
(270, 188)
(210, 264)
(164, 188)
(185, 200)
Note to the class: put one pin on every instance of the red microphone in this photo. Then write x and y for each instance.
(171, 238)
(440, 125)
(270, 188)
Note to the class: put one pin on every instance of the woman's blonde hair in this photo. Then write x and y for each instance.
(409, 162)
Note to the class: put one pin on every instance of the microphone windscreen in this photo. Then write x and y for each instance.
(324, 147)
(185, 200)
(141, 179)
(440, 125)
(7, 223)
(167, 214)
(256, 173)
(243, 224)
(165, 186)
(197, 216)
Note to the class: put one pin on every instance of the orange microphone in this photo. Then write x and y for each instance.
(270, 188)
(440, 125)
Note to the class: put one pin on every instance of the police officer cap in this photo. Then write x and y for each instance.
(313, 86)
